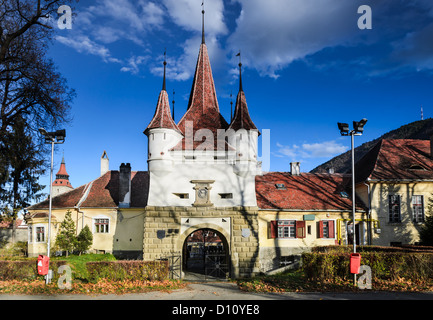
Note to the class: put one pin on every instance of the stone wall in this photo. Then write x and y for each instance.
(20, 235)
(166, 229)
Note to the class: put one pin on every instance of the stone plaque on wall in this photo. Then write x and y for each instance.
(202, 193)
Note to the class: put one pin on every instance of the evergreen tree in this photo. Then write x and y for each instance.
(66, 239)
(426, 233)
(21, 167)
(85, 240)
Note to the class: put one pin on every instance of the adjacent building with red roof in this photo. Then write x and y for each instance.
(395, 180)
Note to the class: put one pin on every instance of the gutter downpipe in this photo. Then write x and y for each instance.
(370, 239)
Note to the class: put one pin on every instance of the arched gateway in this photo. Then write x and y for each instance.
(205, 255)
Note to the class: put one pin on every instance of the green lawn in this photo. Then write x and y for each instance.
(78, 263)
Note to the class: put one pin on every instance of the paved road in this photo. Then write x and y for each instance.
(229, 291)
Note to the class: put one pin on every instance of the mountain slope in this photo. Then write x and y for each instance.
(422, 130)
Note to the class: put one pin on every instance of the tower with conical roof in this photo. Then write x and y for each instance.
(61, 184)
(203, 160)
(243, 133)
(203, 110)
(163, 134)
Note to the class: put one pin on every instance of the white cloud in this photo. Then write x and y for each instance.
(84, 45)
(274, 33)
(323, 150)
(310, 150)
(187, 14)
(134, 64)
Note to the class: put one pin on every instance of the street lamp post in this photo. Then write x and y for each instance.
(358, 129)
(57, 137)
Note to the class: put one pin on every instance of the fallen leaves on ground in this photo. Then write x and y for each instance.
(290, 283)
(101, 287)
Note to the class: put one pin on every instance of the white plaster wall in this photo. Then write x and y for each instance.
(164, 186)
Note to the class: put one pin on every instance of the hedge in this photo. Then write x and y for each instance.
(25, 269)
(127, 270)
(417, 266)
(349, 249)
(110, 270)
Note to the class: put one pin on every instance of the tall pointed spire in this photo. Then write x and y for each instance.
(62, 177)
(202, 24)
(162, 117)
(240, 71)
(203, 110)
(241, 119)
(165, 65)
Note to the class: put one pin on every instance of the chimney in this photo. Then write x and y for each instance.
(104, 164)
(295, 168)
(125, 185)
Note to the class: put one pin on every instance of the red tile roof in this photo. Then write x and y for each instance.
(304, 192)
(62, 177)
(102, 193)
(162, 117)
(8, 224)
(203, 109)
(242, 119)
(396, 159)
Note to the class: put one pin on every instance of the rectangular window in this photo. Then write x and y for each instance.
(327, 229)
(418, 208)
(287, 229)
(394, 208)
(40, 234)
(102, 225)
(226, 195)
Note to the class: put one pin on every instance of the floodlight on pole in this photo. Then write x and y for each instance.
(358, 129)
(52, 138)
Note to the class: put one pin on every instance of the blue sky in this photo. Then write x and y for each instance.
(306, 66)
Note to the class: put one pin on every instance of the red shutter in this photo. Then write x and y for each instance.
(274, 229)
(300, 229)
(320, 229)
(331, 229)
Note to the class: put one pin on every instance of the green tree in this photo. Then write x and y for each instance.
(426, 233)
(31, 88)
(22, 167)
(66, 239)
(84, 240)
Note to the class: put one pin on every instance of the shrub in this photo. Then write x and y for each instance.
(84, 240)
(25, 269)
(417, 266)
(127, 270)
(66, 239)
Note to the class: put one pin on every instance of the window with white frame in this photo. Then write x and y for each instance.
(418, 208)
(286, 229)
(394, 208)
(40, 234)
(102, 225)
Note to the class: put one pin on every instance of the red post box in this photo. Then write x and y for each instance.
(355, 263)
(43, 265)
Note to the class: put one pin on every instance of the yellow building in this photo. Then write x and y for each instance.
(116, 229)
(395, 181)
(299, 211)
